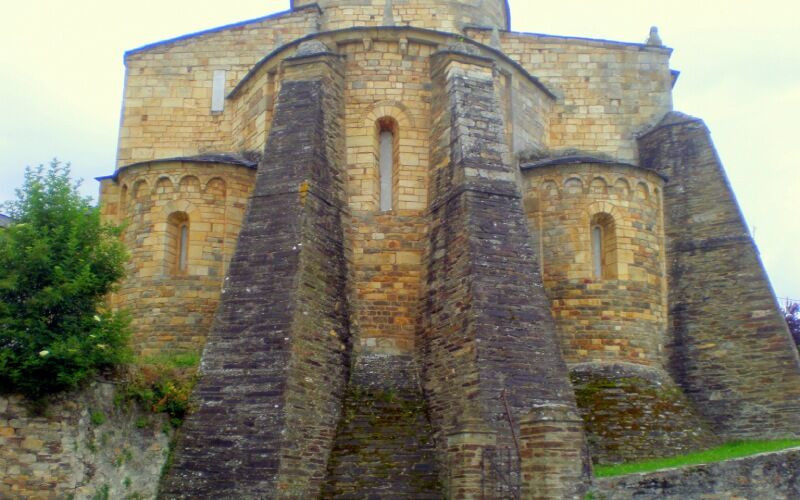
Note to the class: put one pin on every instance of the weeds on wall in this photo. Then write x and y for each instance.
(162, 384)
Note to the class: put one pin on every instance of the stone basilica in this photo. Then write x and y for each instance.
(426, 256)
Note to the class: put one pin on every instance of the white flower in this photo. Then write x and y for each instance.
(44, 353)
(96, 317)
(101, 346)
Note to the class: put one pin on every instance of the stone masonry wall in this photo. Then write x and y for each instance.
(84, 446)
(172, 309)
(729, 346)
(771, 475)
(385, 81)
(274, 369)
(446, 15)
(384, 447)
(631, 413)
(616, 317)
(488, 339)
(167, 102)
(607, 91)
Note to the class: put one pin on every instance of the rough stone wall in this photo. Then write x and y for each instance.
(607, 91)
(167, 102)
(772, 475)
(274, 369)
(172, 309)
(729, 346)
(488, 337)
(64, 454)
(384, 444)
(445, 15)
(620, 317)
(632, 413)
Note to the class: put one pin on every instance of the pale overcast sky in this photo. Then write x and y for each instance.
(61, 78)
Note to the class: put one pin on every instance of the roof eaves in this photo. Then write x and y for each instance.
(229, 159)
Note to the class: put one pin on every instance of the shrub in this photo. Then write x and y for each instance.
(57, 264)
(98, 418)
(163, 384)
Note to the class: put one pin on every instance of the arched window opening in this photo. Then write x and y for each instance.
(177, 244)
(387, 161)
(604, 247)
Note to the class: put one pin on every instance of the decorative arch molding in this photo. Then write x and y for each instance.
(391, 109)
(165, 183)
(603, 207)
(180, 206)
(622, 188)
(140, 188)
(215, 185)
(549, 188)
(190, 183)
(574, 185)
(598, 185)
(642, 191)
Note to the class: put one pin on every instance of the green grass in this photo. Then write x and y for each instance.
(174, 360)
(727, 451)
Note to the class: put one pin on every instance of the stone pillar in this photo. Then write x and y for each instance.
(468, 471)
(553, 454)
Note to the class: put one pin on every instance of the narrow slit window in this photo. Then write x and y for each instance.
(218, 91)
(183, 249)
(604, 247)
(597, 251)
(386, 168)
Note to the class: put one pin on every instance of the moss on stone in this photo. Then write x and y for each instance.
(629, 417)
(383, 444)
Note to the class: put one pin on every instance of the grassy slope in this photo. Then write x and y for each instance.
(727, 451)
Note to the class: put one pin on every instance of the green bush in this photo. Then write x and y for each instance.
(57, 264)
(163, 384)
(98, 418)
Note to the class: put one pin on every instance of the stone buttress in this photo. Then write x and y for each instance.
(489, 344)
(729, 347)
(274, 368)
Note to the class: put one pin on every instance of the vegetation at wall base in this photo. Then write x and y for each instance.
(58, 262)
(727, 451)
(163, 384)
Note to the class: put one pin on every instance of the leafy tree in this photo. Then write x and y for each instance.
(792, 313)
(57, 263)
